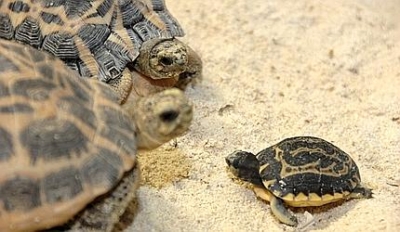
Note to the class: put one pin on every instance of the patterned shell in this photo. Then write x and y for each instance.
(308, 169)
(63, 141)
(95, 37)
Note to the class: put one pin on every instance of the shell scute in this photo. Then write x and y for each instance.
(307, 165)
(62, 185)
(20, 194)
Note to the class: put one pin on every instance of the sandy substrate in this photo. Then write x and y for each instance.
(275, 69)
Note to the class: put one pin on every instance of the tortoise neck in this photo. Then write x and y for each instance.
(256, 180)
(251, 174)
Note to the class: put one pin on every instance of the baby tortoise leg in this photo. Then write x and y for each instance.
(361, 192)
(281, 212)
(104, 213)
(277, 206)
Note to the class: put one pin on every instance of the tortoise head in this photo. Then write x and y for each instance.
(162, 59)
(245, 166)
(160, 117)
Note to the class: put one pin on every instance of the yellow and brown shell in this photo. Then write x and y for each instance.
(63, 140)
(308, 171)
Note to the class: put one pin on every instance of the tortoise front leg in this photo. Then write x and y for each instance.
(277, 206)
(281, 212)
(360, 192)
(122, 86)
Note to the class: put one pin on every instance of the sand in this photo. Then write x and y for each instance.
(275, 69)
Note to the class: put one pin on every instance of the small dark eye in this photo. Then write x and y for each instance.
(184, 76)
(187, 75)
(166, 61)
(169, 116)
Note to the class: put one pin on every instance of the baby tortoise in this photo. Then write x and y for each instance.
(67, 148)
(120, 42)
(299, 171)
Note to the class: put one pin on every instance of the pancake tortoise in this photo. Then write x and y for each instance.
(120, 42)
(299, 171)
(67, 148)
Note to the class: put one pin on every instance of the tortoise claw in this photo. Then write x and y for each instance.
(281, 212)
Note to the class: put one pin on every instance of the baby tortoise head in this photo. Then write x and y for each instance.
(245, 166)
(160, 117)
(161, 59)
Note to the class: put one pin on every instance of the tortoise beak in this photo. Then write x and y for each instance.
(232, 161)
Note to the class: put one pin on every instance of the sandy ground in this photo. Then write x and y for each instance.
(275, 69)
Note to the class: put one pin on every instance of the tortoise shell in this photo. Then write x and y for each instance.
(64, 141)
(96, 38)
(308, 171)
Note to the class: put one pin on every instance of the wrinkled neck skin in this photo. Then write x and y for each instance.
(142, 86)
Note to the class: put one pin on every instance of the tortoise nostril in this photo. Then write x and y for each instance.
(166, 61)
(169, 116)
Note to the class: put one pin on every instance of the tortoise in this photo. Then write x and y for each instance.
(66, 143)
(299, 171)
(121, 42)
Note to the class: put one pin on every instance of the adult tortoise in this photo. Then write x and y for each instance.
(65, 142)
(125, 43)
(299, 171)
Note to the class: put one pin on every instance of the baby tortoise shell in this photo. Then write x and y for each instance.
(111, 40)
(65, 141)
(299, 171)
